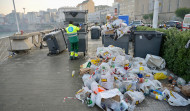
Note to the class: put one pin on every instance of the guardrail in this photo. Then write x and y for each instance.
(7, 43)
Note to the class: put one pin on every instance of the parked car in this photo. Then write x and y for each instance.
(136, 23)
(176, 24)
(186, 22)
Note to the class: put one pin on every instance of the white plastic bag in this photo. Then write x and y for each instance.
(92, 101)
(96, 88)
(135, 96)
(82, 94)
(155, 61)
(181, 81)
(175, 99)
(87, 80)
(114, 94)
(107, 80)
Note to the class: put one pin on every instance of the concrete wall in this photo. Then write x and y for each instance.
(4, 45)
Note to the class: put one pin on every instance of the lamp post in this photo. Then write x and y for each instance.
(16, 17)
(155, 16)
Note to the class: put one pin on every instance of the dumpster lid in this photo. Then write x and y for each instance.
(76, 11)
(148, 32)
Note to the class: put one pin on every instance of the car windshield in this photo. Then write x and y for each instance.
(187, 20)
(170, 23)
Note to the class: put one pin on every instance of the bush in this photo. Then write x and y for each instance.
(173, 50)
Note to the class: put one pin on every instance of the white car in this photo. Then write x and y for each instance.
(186, 22)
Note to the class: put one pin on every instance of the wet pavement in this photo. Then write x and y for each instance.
(37, 82)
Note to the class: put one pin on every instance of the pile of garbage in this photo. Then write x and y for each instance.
(115, 26)
(119, 82)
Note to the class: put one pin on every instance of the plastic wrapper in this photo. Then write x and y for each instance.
(180, 81)
(175, 99)
(160, 76)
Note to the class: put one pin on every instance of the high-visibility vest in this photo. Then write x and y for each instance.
(72, 29)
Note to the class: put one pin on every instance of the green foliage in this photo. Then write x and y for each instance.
(173, 50)
(181, 12)
(146, 16)
(151, 16)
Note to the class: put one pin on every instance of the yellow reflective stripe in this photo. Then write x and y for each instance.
(76, 54)
(72, 53)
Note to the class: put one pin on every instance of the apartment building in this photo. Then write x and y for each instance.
(101, 7)
(87, 5)
(167, 8)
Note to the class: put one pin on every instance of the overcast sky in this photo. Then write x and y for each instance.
(6, 6)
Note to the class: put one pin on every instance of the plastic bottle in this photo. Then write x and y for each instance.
(73, 73)
(156, 96)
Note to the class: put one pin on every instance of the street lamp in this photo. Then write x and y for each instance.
(16, 16)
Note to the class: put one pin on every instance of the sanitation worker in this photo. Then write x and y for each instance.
(73, 39)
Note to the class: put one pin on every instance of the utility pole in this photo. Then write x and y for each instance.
(16, 17)
(155, 16)
(24, 10)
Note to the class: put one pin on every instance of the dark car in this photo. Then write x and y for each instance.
(176, 24)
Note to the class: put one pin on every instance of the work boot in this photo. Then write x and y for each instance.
(71, 55)
(76, 56)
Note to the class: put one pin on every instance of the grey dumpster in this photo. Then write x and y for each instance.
(95, 33)
(147, 42)
(122, 42)
(83, 42)
(78, 17)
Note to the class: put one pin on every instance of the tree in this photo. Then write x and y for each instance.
(150, 17)
(146, 17)
(181, 12)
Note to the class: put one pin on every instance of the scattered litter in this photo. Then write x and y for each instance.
(115, 81)
(73, 73)
(68, 98)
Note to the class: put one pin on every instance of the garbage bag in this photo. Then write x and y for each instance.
(180, 81)
(87, 80)
(113, 94)
(175, 99)
(92, 101)
(107, 80)
(83, 93)
(155, 61)
(134, 97)
(160, 76)
(96, 88)
(104, 68)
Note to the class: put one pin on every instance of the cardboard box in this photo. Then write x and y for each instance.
(86, 71)
(109, 32)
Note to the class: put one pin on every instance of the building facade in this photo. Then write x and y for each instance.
(87, 5)
(101, 7)
(127, 7)
(167, 8)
